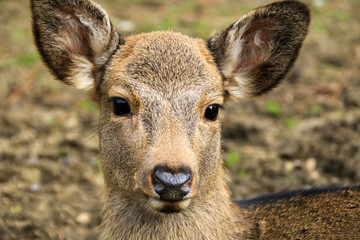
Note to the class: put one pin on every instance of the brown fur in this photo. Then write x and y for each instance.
(169, 80)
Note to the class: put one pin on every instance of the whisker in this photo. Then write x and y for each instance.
(231, 146)
(89, 133)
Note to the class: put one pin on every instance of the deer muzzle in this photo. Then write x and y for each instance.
(169, 189)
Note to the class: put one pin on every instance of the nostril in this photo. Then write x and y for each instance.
(169, 186)
(170, 180)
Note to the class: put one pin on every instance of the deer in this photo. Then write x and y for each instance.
(161, 96)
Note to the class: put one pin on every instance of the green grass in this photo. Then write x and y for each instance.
(202, 27)
(316, 109)
(27, 59)
(243, 173)
(15, 209)
(290, 123)
(233, 158)
(273, 108)
(88, 106)
(19, 35)
(169, 19)
(52, 121)
(98, 166)
(190, 5)
(319, 25)
(328, 68)
(342, 15)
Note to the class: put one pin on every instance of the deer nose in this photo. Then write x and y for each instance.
(171, 186)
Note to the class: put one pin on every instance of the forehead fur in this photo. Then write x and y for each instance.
(164, 61)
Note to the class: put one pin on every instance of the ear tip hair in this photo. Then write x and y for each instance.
(294, 4)
(300, 7)
(296, 9)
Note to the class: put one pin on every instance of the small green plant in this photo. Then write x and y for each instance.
(27, 59)
(169, 19)
(232, 159)
(243, 173)
(316, 109)
(52, 121)
(342, 15)
(290, 122)
(328, 68)
(273, 108)
(319, 25)
(15, 209)
(19, 34)
(202, 28)
(89, 106)
(97, 164)
(190, 5)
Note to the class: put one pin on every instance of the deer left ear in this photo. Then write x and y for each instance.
(256, 52)
(75, 39)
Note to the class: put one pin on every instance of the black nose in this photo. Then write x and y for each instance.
(171, 186)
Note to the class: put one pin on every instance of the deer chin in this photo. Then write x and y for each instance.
(169, 206)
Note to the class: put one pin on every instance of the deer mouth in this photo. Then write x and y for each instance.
(169, 206)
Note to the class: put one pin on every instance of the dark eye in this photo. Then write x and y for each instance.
(212, 112)
(121, 107)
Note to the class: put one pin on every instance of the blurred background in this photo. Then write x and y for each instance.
(303, 134)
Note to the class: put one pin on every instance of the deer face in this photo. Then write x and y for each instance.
(160, 102)
(160, 93)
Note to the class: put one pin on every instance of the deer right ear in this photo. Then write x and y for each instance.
(75, 39)
(256, 52)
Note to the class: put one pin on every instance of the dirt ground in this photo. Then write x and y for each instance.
(303, 134)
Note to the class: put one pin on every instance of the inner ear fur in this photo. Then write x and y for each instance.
(75, 39)
(255, 53)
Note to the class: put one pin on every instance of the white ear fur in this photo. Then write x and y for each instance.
(247, 48)
(100, 35)
(235, 46)
(75, 39)
(256, 52)
(81, 73)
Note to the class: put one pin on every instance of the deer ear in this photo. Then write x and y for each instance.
(75, 39)
(256, 52)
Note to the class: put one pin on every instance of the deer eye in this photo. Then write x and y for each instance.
(212, 112)
(121, 107)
